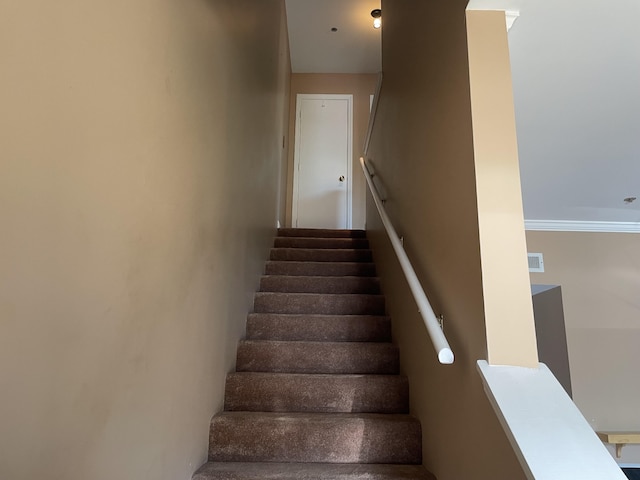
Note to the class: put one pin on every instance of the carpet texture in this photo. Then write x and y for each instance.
(316, 394)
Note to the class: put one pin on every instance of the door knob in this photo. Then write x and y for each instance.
(341, 178)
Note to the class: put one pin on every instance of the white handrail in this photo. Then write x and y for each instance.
(445, 354)
(372, 114)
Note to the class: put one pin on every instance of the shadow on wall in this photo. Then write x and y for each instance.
(551, 333)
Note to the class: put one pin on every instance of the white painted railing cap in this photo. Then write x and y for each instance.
(549, 435)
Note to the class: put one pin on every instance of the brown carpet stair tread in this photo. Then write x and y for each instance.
(316, 393)
(294, 268)
(287, 392)
(319, 328)
(309, 471)
(322, 254)
(315, 437)
(318, 303)
(319, 284)
(317, 357)
(311, 242)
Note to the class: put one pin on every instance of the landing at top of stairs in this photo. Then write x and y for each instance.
(320, 233)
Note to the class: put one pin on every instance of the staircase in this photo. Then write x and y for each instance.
(316, 393)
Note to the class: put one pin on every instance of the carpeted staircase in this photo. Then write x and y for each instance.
(316, 393)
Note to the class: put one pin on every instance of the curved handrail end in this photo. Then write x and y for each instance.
(445, 356)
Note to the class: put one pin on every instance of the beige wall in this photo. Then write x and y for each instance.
(361, 86)
(139, 152)
(284, 92)
(423, 152)
(511, 338)
(600, 278)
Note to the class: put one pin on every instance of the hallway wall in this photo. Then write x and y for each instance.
(424, 156)
(599, 273)
(139, 152)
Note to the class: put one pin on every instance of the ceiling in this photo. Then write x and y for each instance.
(576, 82)
(354, 48)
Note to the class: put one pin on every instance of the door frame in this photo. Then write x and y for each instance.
(296, 155)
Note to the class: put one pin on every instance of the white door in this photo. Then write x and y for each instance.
(322, 162)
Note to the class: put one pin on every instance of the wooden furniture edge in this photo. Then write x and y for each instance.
(619, 439)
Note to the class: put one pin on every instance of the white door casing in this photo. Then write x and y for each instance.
(322, 156)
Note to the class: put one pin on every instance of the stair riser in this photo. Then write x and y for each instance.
(320, 233)
(331, 438)
(287, 284)
(307, 303)
(267, 392)
(318, 328)
(317, 357)
(329, 269)
(302, 242)
(320, 255)
(309, 471)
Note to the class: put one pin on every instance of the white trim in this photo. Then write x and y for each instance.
(581, 226)
(511, 16)
(296, 156)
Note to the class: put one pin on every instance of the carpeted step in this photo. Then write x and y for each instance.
(309, 471)
(306, 242)
(315, 437)
(320, 233)
(286, 392)
(318, 328)
(331, 269)
(316, 393)
(313, 303)
(322, 284)
(317, 357)
(321, 254)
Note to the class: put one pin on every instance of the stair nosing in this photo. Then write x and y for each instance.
(318, 315)
(323, 277)
(322, 375)
(322, 249)
(321, 294)
(345, 471)
(320, 342)
(337, 416)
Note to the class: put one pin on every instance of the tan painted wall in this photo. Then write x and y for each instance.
(424, 154)
(284, 92)
(361, 86)
(600, 278)
(511, 337)
(139, 152)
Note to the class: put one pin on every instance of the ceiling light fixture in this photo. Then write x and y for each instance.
(377, 18)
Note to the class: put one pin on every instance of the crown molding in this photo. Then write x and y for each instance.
(580, 226)
(511, 16)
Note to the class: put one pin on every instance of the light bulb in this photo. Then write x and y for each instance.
(377, 18)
